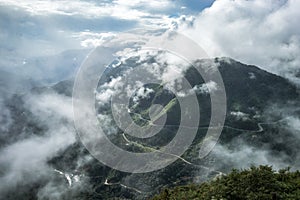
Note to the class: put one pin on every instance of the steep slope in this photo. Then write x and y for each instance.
(251, 96)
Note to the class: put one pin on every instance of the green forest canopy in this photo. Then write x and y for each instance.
(255, 183)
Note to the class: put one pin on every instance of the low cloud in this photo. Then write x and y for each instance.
(263, 33)
(240, 115)
(206, 88)
(293, 124)
(25, 161)
(276, 144)
(243, 156)
(142, 93)
(109, 89)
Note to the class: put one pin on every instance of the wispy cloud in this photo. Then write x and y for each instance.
(25, 161)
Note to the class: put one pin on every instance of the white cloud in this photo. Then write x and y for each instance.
(243, 156)
(121, 9)
(26, 161)
(92, 40)
(170, 70)
(182, 21)
(107, 90)
(293, 124)
(240, 115)
(46, 7)
(206, 88)
(142, 93)
(106, 123)
(51, 107)
(264, 33)
(33, 29)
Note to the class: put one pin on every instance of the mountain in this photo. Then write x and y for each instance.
(258, 130)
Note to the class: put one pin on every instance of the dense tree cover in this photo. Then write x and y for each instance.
(255, 183)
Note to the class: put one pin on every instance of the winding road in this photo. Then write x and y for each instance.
(260, 129)
(107, 183)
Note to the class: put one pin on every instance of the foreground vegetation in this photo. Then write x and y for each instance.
(255, 183)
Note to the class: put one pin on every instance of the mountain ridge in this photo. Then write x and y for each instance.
(244, 91)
